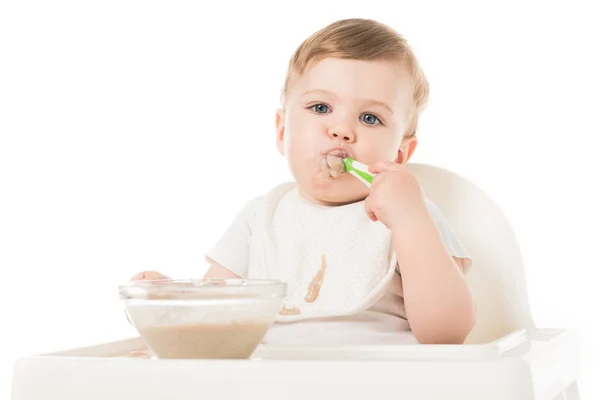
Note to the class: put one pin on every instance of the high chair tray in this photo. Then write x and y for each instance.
(523, 365)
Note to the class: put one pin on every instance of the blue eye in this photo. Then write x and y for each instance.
(370, 119)
(320, 108)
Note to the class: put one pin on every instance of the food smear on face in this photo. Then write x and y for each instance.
(314, 287)
(236, 340)
(332, 165)
(335, 165)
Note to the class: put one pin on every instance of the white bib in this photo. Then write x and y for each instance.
(335, 260)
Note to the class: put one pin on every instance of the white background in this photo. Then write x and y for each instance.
(132, 132)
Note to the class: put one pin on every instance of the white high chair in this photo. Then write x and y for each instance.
(505, 356)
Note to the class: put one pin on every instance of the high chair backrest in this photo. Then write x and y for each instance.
(497, 276)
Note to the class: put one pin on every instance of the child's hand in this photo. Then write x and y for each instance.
(149, 276)
(146, 276)
(396, 196)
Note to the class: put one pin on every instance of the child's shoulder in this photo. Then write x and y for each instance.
(259, 203)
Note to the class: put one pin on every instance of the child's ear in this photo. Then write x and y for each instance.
(279, 130)
(406, 150)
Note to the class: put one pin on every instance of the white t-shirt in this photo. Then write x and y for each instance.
(344, 285)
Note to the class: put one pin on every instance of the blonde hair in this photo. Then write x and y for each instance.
(365, 40)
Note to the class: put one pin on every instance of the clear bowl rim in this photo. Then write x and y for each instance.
(193, 289)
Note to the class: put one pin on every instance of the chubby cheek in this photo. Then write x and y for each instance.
(301, 150)
(378, 152)
(390, 153)
(301, 141)
(299, 160)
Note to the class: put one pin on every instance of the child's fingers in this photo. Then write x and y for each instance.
(138, 277)
(372, 216)
(148, 276)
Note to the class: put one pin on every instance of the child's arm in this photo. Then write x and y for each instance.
(217, 271)
(229, 256)
(439, 304)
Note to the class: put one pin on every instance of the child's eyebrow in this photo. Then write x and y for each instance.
(378, 103)
(366, 102)
(318, 91)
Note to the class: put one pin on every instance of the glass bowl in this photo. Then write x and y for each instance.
(204, 318)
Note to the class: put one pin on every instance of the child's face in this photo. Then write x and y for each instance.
(349, 108)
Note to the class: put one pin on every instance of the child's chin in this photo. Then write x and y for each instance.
(338, 190)
(326, 184)
(340, 200)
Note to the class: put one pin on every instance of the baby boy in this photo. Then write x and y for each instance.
(376, 265)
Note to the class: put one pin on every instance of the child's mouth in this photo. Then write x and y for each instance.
(333, 162)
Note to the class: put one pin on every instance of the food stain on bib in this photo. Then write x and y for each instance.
(289, 311)
(315, 285)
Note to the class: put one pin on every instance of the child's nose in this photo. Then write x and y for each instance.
(342, 133)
